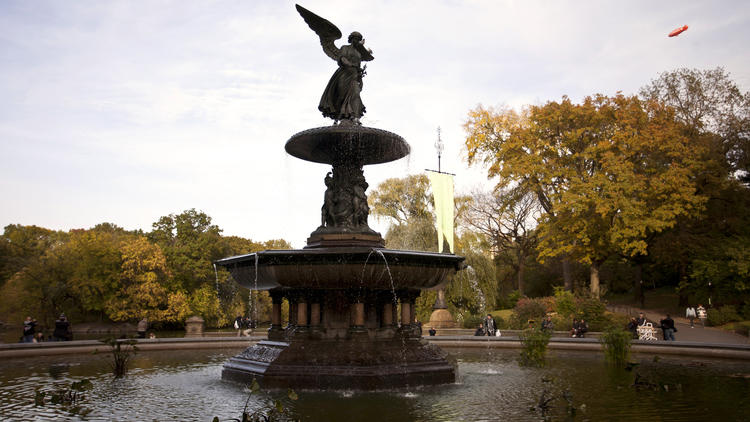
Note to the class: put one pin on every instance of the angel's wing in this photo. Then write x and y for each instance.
(327, 31)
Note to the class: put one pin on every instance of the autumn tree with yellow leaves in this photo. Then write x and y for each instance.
(608, 172)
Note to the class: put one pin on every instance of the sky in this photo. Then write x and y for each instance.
(126, 111)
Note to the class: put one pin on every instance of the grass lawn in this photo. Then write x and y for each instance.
(502, 313)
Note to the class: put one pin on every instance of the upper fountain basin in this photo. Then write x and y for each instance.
(342, 268)
(347, 143)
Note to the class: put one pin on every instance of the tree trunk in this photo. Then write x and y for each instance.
(638, 283)
(595, 279)
(567, 276)
(520, 272)
(683, 297)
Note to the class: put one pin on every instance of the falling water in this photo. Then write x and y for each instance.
(395, 304)
(216, 273)
(254, 304)
(472, 276)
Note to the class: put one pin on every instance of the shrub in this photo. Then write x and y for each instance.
(534, 347)
(723, 315)
(592, 310)
(473, 321)
(527, 309)
(565, 303)
(742, 328)
(746, 311)
(616, 344)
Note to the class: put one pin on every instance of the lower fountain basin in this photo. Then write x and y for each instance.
(342, 268)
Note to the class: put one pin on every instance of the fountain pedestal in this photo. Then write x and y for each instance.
(351, 301)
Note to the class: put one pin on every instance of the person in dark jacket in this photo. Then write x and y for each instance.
(489, 325)
(667, 328)
(633, 327)
(574, 328)
(583, 328)
(432, 332)
(479, 331)
(62, 329)
(29, 330)
(547, 324)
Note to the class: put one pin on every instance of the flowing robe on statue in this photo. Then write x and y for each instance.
(341, 98)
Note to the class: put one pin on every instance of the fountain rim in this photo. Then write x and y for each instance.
(356, 253)
(319, 145)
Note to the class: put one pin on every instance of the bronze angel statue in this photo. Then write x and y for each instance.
(341, 100)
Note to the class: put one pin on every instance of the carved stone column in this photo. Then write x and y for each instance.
(277, 331)
(358, 314)
(301, 314)
(315, 314)
(387, 314)
(405, 313)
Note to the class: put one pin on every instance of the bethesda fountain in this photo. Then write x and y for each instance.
(351, 301)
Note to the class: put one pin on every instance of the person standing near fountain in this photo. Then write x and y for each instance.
(142, 327)
(667, 327)
(489, 325)
(701, 311)
(29, 330)
(690, 314)
(62, 329)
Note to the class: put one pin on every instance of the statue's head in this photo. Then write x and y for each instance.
(355, 37)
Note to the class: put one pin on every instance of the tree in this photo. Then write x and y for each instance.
(143, 289)
(705, 251)
(21, 246)
(190, 243)
(506, 219)
(407, 203)
(711, 105)
(608, 172)
(94, 259)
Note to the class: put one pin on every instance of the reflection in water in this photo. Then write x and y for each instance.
(186, 385)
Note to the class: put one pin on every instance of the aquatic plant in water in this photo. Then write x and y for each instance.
(270, 412)
(616, 344)
(122, 351)
(534, 347)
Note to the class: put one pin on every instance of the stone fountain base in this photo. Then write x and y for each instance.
(353, 364)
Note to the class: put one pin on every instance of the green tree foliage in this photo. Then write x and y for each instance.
(21, 246)
(608, 172)
(108, 273)
(95, 261)
(407, 204)
(190, 243)
(707, 254)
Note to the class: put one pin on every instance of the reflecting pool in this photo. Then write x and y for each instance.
(186, 385)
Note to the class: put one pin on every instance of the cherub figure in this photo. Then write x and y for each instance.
(341, 100)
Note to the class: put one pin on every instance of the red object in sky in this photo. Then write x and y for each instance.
(678, 31)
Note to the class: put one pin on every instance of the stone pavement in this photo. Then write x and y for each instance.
(684, 332)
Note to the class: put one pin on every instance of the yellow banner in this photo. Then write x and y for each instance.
(442, 191)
